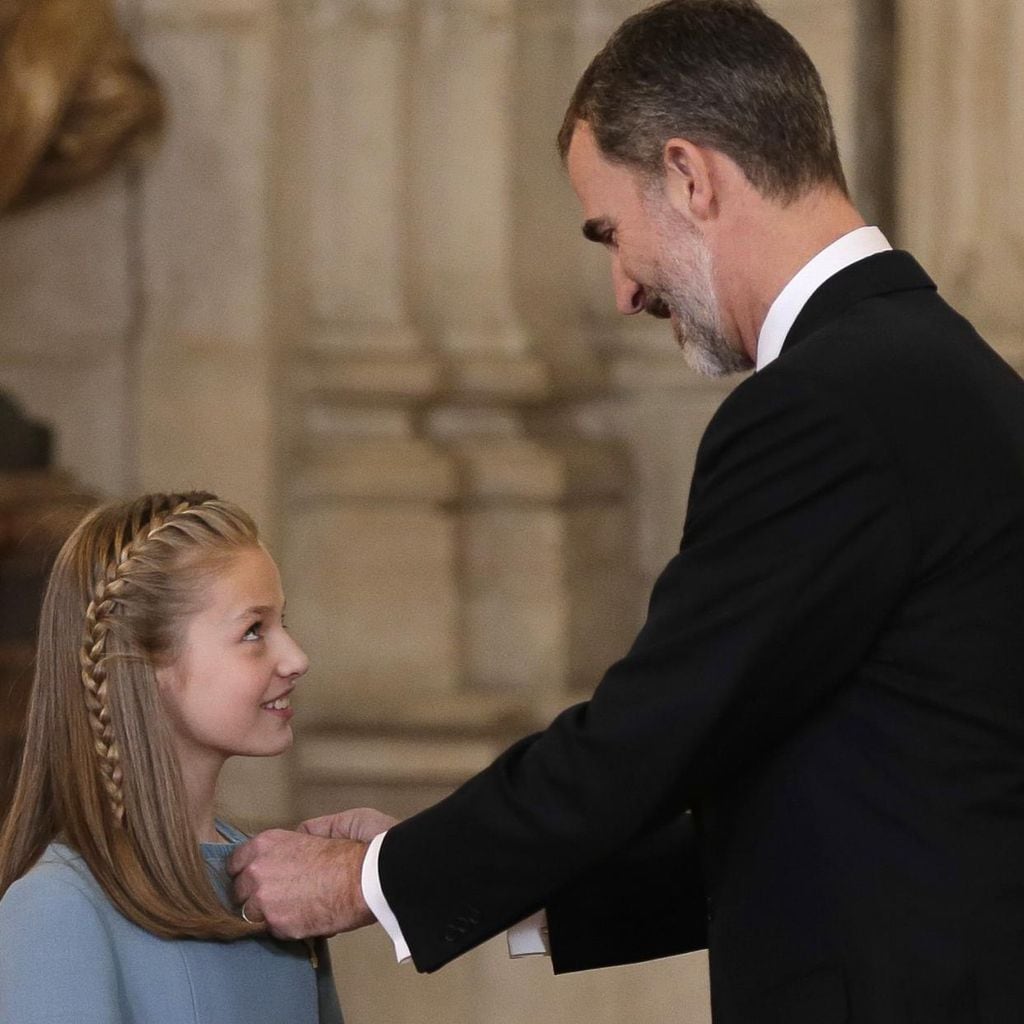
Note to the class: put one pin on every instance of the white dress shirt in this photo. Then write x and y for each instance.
(530, 936)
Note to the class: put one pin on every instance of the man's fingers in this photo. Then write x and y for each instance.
(360, 823)
(318, 826)
(241, 858)
(243, 887)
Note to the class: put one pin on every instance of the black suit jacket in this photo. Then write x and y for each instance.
(830, 678)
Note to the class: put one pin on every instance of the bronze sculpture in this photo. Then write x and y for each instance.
(73, 97)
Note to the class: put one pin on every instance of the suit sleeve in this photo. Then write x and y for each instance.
(644, 903)
(794, 553)
(56, 961)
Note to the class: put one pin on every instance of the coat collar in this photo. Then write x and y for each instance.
(881, 274)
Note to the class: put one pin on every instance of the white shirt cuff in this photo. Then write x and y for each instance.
(529, 937)
(374, 896)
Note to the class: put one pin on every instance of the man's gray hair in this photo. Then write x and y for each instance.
(721, 74)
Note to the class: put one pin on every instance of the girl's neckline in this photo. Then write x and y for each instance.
(232, 837)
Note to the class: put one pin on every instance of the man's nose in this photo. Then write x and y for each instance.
(629, 296)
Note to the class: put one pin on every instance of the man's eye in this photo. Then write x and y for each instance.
(253, 632)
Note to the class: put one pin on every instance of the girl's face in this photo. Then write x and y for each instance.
(228, 691)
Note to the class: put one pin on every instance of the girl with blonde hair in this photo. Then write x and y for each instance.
(162, 652)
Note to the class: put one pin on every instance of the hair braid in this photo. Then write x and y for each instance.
(107, 595)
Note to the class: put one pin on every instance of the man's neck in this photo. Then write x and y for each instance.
(767, 246)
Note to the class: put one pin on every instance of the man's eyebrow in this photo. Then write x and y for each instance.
(598, 229)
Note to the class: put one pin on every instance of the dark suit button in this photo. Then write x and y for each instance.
(451, 935)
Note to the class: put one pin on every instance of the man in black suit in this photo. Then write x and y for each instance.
(812, 758)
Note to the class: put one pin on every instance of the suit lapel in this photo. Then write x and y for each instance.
(881, 274)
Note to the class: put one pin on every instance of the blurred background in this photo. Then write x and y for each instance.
(320, 257)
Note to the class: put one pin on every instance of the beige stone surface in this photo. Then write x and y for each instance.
(189, 437)
(961, 89)
(486, 987)
(372, 595)
(382, 377)
(66, 349)
(255, 793)
(460, 209)
(85, 401)
(435, 760)
(374, 469)
(208, 189)
(514, 608)
(508, 471)
(828, 31)
(356, 151)
(476, 378)
(65, 274)
(206, 366)
(203, 13)
(607, 593)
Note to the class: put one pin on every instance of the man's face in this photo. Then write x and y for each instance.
(660, 262)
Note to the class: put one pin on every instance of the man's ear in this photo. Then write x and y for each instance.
(689, 183)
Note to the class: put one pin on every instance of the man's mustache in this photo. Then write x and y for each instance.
(657, 307)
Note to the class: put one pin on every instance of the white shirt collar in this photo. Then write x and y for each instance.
(851, 248)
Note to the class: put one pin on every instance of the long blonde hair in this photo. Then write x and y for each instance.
(99, 771)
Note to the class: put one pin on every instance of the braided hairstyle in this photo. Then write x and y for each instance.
(99, 769)
(110, 599)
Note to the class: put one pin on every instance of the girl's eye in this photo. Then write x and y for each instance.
(253, 632)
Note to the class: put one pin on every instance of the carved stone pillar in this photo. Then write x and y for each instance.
(204, 223)
(370, 545)
(353, 61)
(461, 200)
(962, 156)
(512, 547)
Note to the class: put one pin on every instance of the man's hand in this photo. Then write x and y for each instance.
(302, 885)
(363, 823)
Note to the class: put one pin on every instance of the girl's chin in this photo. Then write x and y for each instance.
(270, 747)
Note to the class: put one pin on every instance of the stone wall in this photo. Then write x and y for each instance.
(349, 292)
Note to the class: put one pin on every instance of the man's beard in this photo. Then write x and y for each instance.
(683, 288)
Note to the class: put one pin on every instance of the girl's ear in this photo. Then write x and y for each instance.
(167, 678)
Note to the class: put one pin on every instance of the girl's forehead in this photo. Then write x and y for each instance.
(250, 580)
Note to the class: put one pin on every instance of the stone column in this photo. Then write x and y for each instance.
(961, 134)
(512, 548)
(461, 210)
(370, 547)
(206, 393)
(352, 59)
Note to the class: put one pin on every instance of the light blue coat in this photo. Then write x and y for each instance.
(67, 956)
